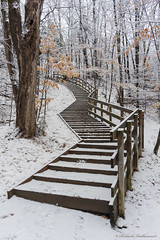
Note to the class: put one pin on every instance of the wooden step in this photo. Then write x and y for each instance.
(94, 135)
(86, 198)
(74, 113)
(71, 120)
(96, 140)
(88, 124)
(86, 158)
(96, 123)
(89, 151)
(101, 137)
(109, 145)
(92, 130)
(89, 127)
(83, 167)
(79, 178)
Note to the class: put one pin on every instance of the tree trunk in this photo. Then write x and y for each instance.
(157, 144)
(95, 58)
(137, 52)
(26, 45)
(118, 34)
(9, 49)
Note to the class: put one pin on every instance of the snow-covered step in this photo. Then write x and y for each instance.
(71, 190)
(83, 167)
(89, 124)
(89, 127)
(90, 151)
(109, 145)
(77, 120)
(96, 140)
(85, 134)
(87, 198)
(86, 158)
(92, 130)
(80, 178)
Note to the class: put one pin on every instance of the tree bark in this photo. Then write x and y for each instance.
(26, 45)
(157, 144)
(118, 34)
(9, 48)
(137, 49)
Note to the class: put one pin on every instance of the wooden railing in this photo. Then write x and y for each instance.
(85, 85)
(107, 112)
(127, 130)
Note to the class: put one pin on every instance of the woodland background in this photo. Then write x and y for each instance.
(115, 45)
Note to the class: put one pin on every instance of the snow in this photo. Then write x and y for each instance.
(82, 164)
(24, 219)
(85, 157)
(77, 176)
(70, 190)
(20, 157)
(88, 150)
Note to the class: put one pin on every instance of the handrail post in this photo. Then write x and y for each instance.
(96, 93)
(135, 135)
(110, 116)
(142, 129)
(95, 105)
(89, 107)
(85, 85)
(140, 132)
(121, 190)
(122, 113)
(82, 84)
(129, 154)
(102, 110)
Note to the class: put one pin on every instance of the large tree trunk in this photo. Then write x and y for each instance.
(26, 45)
(25, 112)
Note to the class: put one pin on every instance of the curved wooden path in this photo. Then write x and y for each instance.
(85, 177)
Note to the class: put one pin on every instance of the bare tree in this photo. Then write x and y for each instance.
(25, 40)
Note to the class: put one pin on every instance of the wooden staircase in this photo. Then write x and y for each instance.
(85, 177)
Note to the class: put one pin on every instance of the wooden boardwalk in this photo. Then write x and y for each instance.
(85, 177)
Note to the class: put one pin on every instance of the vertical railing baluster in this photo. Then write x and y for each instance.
(102, 111)
(129, 154)
(110, 116)
(142, 129)
(122, 113)
(95, 104)
(140, 133)
(135, 135)
(121, 190)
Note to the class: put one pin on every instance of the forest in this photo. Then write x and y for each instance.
(114, 45)
(113, 48)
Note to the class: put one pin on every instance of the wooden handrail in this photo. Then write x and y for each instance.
(102, 119)
(111, 105)
(85, 85)
(122, 124)
(107, 112)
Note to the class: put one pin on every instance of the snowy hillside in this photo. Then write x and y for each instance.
(22, 219)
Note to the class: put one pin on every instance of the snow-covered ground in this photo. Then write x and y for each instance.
(22, 219)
